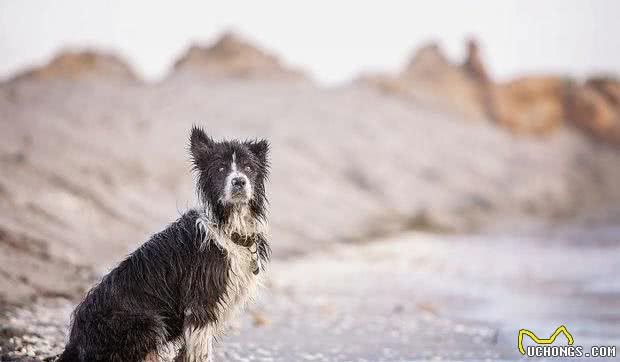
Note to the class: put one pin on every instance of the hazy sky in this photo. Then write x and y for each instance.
(333, 40)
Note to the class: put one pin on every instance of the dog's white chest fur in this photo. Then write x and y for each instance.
(240, 288)
(242, 282)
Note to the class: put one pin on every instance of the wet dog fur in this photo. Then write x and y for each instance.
(182, 286)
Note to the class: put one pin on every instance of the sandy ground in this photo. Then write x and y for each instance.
(413, 297)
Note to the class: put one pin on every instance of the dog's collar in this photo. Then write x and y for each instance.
(243, 240)
(248, 241)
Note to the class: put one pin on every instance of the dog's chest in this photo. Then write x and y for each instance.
(242, 280)
(241, 283)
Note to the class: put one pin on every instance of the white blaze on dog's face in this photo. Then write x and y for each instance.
(237, 185)
(229, 172)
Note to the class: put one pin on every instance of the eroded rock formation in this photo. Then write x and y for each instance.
(595, 108)
(233, 56)
(430, 78)
(529, 105)
(74, 65)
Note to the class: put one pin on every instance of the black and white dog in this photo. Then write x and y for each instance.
(184, 284)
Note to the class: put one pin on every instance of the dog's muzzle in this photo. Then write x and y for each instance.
(238, 188)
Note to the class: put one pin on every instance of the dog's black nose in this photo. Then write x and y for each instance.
(238, 182)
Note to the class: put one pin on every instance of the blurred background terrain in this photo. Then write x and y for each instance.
(472, 204)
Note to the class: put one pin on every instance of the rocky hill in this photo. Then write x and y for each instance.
(431, 79)
(234, 57)
(530, 105)
(73, 65)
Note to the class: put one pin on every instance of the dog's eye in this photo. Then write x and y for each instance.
(248, 168)
(221, 169)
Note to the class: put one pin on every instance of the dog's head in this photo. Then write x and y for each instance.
(230, 173)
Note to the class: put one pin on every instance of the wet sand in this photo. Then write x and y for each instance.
(417, 296)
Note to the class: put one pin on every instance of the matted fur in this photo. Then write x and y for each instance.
(242, 283)
(181, 287)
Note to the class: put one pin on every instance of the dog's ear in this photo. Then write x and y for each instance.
(260, 148)
(199, 143)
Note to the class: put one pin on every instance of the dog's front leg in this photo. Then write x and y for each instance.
(198, 345)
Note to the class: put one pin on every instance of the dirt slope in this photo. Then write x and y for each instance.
(91, 168)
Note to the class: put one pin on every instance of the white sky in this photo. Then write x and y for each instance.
(333, 40)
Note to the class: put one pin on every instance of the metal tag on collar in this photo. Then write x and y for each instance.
(255, 263)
